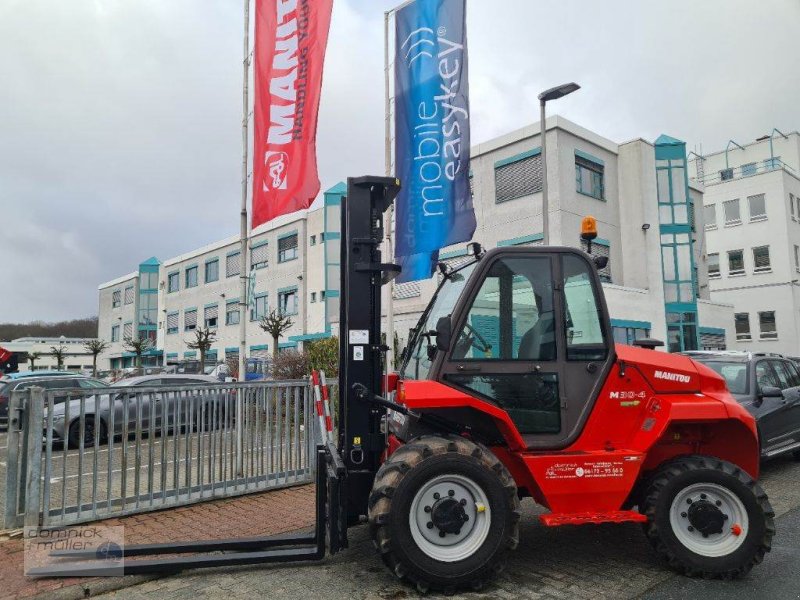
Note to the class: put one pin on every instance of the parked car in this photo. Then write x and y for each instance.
(49, 380)
(768, 386)
(132, 406)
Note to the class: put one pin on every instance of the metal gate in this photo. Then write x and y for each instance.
(78, 456)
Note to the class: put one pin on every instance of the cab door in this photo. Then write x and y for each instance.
(525, 337)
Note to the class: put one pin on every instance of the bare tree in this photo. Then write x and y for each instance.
(203, 338)
(31, 358)
(95, 347)
(138, 346)
(58, 352)
(275, 324)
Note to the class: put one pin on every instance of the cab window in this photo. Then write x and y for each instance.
(582, 319)
(512, 315)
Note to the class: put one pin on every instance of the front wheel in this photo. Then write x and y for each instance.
(708, 518)
(443, 512)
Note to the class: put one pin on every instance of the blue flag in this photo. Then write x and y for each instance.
(434, 207)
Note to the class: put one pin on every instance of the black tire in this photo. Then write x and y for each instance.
(74, 436)
(390, 503)
(676, 476)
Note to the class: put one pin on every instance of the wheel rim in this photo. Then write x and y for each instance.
(709, 519)
(436, 511)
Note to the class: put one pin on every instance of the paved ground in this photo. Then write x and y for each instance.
(777, 577)
(587, 562)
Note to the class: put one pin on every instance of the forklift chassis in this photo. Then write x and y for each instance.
(594, 432)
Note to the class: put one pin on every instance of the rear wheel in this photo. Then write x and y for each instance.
(443, 512)
(708, 518)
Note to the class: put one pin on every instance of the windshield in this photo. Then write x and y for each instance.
(417, 365)
(734, 373)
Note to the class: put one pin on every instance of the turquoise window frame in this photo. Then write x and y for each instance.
(115, 331)
(178, 328)
(177, 276)
(185, 312)
(260, 265)
(596, 174)
(255, 315)
(196, 276)
(283, 236)
(210, 262)
(282, 293)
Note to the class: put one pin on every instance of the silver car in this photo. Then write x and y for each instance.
(166, 400)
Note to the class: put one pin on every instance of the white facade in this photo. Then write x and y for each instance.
(752, 208)
(76, 356)
(627, 221)
(588, 175)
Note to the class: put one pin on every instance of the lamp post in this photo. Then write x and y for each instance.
(551, 94)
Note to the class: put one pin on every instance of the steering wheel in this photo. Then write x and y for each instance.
(474, 335)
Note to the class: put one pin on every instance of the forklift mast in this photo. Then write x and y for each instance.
(361, 351)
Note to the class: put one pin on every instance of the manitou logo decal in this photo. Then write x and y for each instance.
(666, 375)
(276, 164)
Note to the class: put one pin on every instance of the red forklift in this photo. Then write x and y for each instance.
(511, 387)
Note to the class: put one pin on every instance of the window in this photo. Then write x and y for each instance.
(190, 320)
(259, 256)
(758, 207)
(148, 309)
(772, 163)
(713, 265)
(791, 205)
(116, 298)
(287, 248)
(582, 312)
(322, 295)
(313, 297)
(735, 262)
(233, 264)
(287, 302)
(589, 178)
(742, 325)
(512, 318)
(312, 240)
(259, 308)
(797, 200)
(322, 237)
(212, 270)
(748, 169)
(677, 265)
(766, 325)
(173, 282)
(210, 314)
(710, 216)
(765, 376)
(797, 258)
(731, 210)
(726, 174)
(129, 295)
(628, 335)
(172, 323)
(761, 259)
(232, 314)
(782, 371)
(127, 331)
(115, 333)
(191, 277)
(517, 178)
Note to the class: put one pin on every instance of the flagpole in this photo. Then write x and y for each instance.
(390, 218)
(243, 258)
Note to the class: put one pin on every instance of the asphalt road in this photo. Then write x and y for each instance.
(777, 577)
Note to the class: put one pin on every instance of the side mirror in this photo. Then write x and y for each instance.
(600, 262)
(769, 391)
(444, 333)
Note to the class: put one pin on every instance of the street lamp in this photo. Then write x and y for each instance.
(551, 94)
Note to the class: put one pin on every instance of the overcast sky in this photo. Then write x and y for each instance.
(120, 119)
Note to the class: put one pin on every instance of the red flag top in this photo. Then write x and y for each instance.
(291, 36)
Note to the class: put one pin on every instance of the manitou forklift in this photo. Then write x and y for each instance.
(511, 387)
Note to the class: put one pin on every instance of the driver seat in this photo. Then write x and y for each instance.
(539, 342)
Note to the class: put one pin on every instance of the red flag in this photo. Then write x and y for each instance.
(4, 355)
(291, 36)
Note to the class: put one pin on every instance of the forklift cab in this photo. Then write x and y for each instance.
(525, 329)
